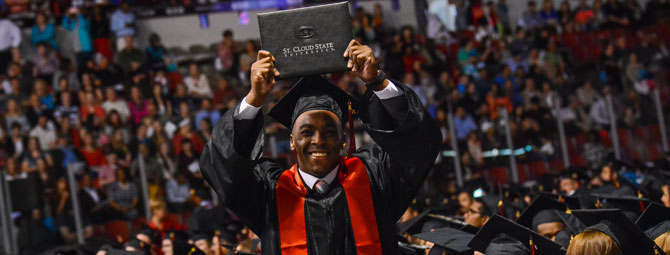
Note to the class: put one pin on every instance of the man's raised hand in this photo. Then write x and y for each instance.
(263, 73)
(362, 61)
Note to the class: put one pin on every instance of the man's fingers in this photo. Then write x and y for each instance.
(351, 44)
(264, 64)
(263, 54)
(276, 72)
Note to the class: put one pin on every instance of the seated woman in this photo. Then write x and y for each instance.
(592, 242)
(159, 222)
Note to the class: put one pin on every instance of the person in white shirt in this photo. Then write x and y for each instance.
(197, 83)
(10, 38)
(177, 190)
(45, 135)
(113, 102)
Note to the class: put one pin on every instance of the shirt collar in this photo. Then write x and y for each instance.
(310, 180)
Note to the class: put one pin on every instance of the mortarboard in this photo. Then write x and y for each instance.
(571, 202)
(429, 220)
(124, 252)
(544, 210)
(655, 220)
(451, 240)
(631, 206)
(621, 229)
(200, 236)
(153, 235)
(311, 93)
(136, 244)
(503, 236)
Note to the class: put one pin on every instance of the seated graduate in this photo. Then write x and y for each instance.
(609, 231)
(551, 219)
(501, 236)
(655, 222)
(327, 203)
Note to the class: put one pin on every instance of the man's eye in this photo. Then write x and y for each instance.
(306, 133)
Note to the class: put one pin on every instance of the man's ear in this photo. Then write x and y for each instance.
(290, 141)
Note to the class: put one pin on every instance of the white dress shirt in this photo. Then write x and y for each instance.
(247, 111)
(310, 180)
(10, 35)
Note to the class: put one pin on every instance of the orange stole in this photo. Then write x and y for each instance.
(291, 193)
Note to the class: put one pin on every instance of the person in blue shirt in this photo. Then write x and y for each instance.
(156, 53)
(122, 25)
(463, 123)
(206, 111)
(43, 31)
(80, 27)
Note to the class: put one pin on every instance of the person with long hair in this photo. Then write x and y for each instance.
(593, 242)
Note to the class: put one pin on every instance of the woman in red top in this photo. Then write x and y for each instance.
(159, 220)
(92, 154)
(92, 108)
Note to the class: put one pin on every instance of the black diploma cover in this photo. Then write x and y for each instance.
(307, 41)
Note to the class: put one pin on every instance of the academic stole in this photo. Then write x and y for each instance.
(291, 193)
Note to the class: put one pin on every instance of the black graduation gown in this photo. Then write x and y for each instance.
(408, 140)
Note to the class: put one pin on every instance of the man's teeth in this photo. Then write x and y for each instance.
(318, 154)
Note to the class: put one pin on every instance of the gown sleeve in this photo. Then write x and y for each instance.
(233, 165)
(407, 145)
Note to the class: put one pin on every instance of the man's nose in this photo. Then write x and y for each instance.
(317, 138)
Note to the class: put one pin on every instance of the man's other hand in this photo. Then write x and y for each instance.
(362, 61)
(263, 73)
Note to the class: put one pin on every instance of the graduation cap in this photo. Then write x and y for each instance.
(503, 236)
(429, 220)
(311, 93)
(124, 252)
(154, 236)
(542, 210)
(135, 244)
(197, 236)
(545, 210)
(570, 202)
(448, 240)
(612, 222)
(631, 206)
(655, 221)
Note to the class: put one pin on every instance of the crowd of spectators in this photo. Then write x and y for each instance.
(118, 108)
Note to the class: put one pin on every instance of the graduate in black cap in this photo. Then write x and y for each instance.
(478, 214)
(608, 232)
(631, 206)
(501, 236)
(609, 181)
(570, 184)
(655, 222)
(176, 243)
(551, 219)
(327, 203)
(447, 241)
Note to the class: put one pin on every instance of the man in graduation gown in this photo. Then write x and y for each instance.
(326, 204)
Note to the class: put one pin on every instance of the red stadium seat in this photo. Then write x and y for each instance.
(624, 138)
(577, 160)
(557, 165)
(605, 139)
(654, 151)
(117, 229)
(498, 175)
(538, 168)
(640, 134)
(523, 172)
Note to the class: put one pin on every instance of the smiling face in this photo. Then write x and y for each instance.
(317, 139)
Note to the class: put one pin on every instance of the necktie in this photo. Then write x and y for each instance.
(321, 186)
